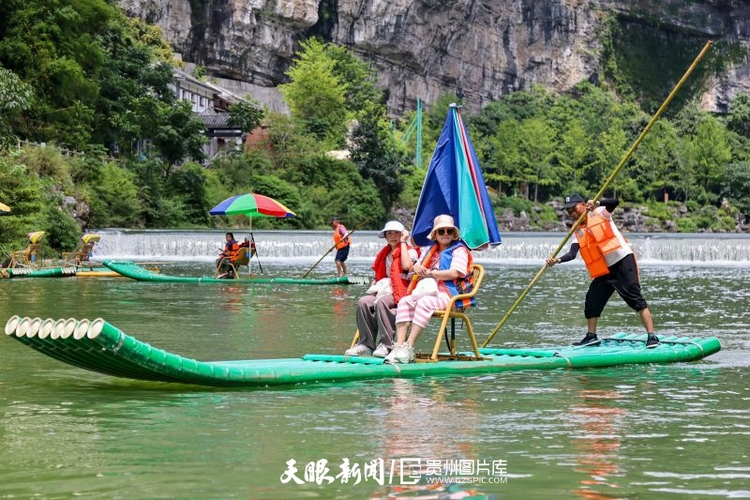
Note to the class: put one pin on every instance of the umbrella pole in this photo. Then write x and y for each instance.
(250, 259)
(254, 249)
(603, 188)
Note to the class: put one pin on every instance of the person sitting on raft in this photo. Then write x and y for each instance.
(376, 312)
(229, 255)
(449, 263)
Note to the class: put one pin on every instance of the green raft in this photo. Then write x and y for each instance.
(136, 272)
(45, 272)
(97, 345)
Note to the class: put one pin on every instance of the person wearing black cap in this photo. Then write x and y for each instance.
(610, 262)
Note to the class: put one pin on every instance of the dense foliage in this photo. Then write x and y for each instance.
(76, 75)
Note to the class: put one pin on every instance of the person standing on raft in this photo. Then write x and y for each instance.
(610, 262)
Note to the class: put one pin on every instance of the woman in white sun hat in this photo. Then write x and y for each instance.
(450, 264)
(376, 312)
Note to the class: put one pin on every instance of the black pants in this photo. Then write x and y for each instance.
(225, 268)
(622, 278)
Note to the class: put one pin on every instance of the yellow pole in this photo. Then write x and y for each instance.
(604, 187)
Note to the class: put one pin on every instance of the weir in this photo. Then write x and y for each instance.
(303, 246)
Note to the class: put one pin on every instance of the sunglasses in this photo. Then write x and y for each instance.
(449, 231)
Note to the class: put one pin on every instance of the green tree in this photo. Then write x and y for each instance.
(291, 149)
(712, 154)
(574, 156)
(189, 185)
(115, 201)
(360, 78)
(177, 133)
(15, 97)
(654, 162)
(686, 157)
(376, 155)
(738, 115)
(536, 146)
(506, 167)
(245, 115)
(735, 186)
(53, 46)
(21, 189)
(316, 96)
(62, 231)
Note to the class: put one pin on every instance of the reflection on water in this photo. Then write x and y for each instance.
(627, 432)
(599, 446)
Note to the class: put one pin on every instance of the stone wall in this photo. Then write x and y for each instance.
(478, 50)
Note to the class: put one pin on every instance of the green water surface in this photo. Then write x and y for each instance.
(673, 431)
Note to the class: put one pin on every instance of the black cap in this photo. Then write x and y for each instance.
(573, 200)
(334, 219)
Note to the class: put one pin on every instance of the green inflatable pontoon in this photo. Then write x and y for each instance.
(136, 272)
(97, 345)
(45, 272)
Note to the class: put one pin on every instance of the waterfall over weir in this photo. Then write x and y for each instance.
(302, 246)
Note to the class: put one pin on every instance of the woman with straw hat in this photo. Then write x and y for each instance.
(447, 266)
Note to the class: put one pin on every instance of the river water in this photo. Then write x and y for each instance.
(661, 431)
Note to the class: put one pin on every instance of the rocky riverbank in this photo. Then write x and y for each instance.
(657, 218)
(667, 218)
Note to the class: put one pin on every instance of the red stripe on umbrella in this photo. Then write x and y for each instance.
(252, 205)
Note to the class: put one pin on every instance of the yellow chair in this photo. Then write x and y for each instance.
(450, 312)
(81, 254)
(29, 256)
(231, 267)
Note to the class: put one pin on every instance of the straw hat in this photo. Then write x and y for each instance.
(442, 221)
(391, 225)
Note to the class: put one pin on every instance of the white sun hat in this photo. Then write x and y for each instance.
(391, 225)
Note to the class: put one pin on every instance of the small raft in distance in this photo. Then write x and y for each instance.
(98, 346)
(136, 272)
(41, 272)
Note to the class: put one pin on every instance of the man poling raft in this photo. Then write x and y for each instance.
(610, 262)
(601, 191)
(342, 242)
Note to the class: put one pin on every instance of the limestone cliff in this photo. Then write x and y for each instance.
(477, 49)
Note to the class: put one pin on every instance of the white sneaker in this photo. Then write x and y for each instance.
(358, 350)
(401, 353)
(381, 351)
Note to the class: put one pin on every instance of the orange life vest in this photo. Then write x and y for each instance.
(339, 239)
(596, 240)
(398, 282)
(231, 249)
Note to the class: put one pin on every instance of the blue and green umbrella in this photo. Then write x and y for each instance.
(454, 185)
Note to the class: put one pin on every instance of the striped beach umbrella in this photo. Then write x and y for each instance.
(252, 205)
(454, 185)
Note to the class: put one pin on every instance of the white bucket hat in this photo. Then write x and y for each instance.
(391, 225)
(442, 221)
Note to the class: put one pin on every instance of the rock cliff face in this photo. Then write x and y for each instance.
(477, 49)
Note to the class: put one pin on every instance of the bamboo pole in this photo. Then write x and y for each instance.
(334, 246)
